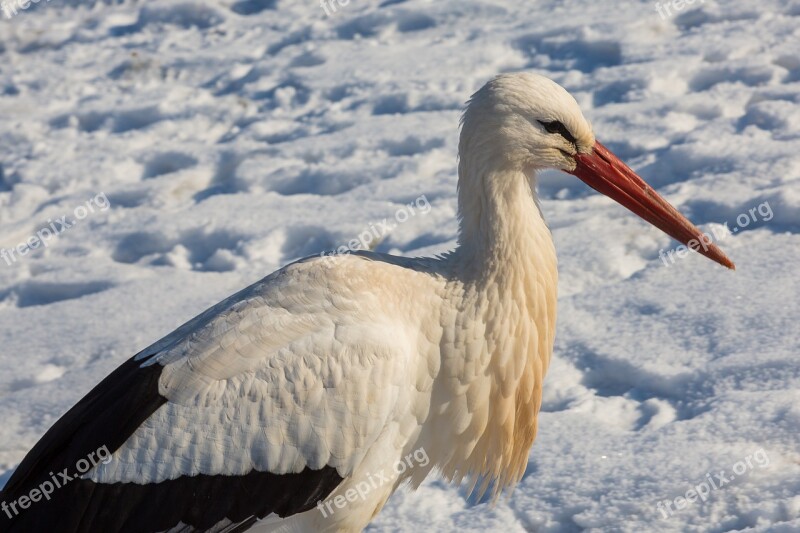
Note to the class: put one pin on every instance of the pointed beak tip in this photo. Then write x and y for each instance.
(730, 264)
(714, 253)
(724, 261)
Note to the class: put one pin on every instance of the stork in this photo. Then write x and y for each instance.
(313, 384)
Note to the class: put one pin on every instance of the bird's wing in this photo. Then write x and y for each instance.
(261, 405)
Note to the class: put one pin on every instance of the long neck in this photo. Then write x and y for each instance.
(502, 232)
(502, 330)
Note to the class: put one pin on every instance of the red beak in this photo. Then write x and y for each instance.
(606, 173)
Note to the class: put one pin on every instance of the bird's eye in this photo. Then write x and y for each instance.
(559, 128)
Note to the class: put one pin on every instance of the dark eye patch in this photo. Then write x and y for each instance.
(559, 128)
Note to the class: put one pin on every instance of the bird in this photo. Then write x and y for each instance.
(292, 404)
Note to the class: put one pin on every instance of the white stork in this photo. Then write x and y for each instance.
(311, 385)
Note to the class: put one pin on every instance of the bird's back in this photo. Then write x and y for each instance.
(258, 407)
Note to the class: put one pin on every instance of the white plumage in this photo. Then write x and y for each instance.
(354, 362)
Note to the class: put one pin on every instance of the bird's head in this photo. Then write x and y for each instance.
(525, 122)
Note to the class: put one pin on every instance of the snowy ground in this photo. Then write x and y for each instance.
(229, 137)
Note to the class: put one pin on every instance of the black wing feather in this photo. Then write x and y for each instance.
(107, 416)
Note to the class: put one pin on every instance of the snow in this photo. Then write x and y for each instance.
(232, 136)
